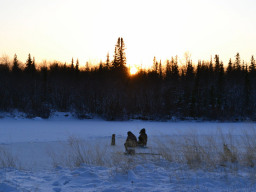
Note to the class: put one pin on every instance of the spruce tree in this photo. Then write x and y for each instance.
(252, 65)
(211, 66)
(238, 62)
(175, 68)
(15, 67)
(230, 66)
(247, 94)
(168, 69)
(217, 63)
(30, 64)
(33, 66)
(160, 69)
(122, 53)
(119, 56)
(190, 70)
(77, 65)
(107, 61)
(72, 64)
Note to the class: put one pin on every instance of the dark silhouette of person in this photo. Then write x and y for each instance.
(143, 138)
(131, 140)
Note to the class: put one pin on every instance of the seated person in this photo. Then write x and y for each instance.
(143, 138)
(131, 140)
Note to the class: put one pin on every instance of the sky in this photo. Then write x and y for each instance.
(88, 29)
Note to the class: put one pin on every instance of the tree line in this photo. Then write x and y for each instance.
(206, 90)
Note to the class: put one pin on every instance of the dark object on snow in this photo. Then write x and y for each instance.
(130, 142)
(143, 138)
(113, 141)
(228, 155)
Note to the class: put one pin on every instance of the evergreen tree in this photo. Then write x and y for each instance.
(29, 62)
(221, 69)
(244, 67)
(247, 94)
(202, 91)
(190, 70)
(198, 74)
(65, 65)
(30, 65)
(168, 69)
(122, 53)
(156, 67)
(107, 61)
(72, 64)
(115, 61)
(198, 68)
(44, 73)
(77, 65)
(252, 65)
(101, 66)
(33, 66)
(217, 63)
(175, 68)
(160, 69)
(211, 66)
(220, 85)
(15, 67)
(119, 56)
(230, 66)
(237, 62)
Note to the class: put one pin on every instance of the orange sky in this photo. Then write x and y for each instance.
(88, 30)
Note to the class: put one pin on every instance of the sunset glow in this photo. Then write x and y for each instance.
(133, 70)
(61, 29)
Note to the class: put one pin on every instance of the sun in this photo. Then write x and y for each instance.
(133, 70)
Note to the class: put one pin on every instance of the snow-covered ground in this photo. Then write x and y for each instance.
(41, 149)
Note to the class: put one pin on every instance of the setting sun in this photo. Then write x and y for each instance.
(133, 70)
(50, 37)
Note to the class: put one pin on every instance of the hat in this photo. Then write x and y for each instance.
(142, 131)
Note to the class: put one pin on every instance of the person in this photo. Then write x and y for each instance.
(143, 138)
(131, 140)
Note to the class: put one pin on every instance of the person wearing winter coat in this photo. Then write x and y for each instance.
(143, 138)
(131, 140)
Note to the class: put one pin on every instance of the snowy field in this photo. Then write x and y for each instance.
(45, 155)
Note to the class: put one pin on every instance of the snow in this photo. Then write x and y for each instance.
(147, 177)
(35, 142)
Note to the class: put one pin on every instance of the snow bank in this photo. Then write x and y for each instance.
(34, 141)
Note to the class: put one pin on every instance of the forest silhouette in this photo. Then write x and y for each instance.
(203, 91)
